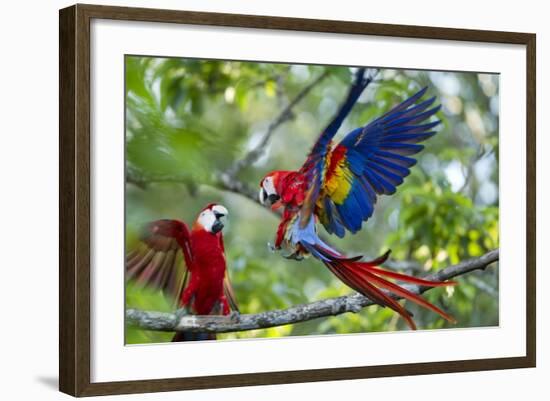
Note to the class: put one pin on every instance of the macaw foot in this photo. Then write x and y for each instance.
(235, 316)
(294, 256)
(183, 311)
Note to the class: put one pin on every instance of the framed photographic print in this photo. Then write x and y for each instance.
(356, 195)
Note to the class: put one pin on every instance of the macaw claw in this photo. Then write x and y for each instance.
(183, 311)
(294, 256)
(235, 316)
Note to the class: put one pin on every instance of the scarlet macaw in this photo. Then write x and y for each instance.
(201, 284)
(338, 186)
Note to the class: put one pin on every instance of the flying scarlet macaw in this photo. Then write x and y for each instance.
(188, 265)
(338, 186)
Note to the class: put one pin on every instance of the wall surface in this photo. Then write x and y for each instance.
(28, 161)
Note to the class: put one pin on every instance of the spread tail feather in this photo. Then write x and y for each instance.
(359, 283)
(368, 279)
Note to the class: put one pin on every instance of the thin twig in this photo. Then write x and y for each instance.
(285, 115)
(161, 321)
(227, 180)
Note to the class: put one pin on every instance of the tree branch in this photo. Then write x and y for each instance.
(229, 183)
(178, 321)
(227, 180)
(222, 181)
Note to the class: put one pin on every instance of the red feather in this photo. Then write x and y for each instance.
(345, 271)
(203, 287)
(364, 277)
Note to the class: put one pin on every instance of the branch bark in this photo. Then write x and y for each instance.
(223, 182)
(178, 321)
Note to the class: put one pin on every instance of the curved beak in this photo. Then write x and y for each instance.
(217, 226)
(268, 200)
(273, 198)
(219, 213)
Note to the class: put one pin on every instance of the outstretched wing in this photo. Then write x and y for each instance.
(370, 161)
(322, 146)
(162, 257)
(314, 164)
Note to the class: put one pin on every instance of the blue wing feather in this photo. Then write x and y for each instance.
(334, 224)
(401, 160)
(378, 156)
(365, 206)
(360, 83)
(392, 178)
(314, 164)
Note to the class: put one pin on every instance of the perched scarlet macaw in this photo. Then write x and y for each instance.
(339, 185)
(200, 284)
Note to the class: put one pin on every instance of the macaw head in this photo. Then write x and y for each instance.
(210, 218)
(271, 188)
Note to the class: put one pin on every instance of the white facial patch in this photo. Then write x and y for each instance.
(220, 210)
(207, 219)
(269, 186)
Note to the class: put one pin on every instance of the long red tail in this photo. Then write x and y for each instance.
(368, 279)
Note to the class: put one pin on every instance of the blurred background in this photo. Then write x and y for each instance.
(188, 121)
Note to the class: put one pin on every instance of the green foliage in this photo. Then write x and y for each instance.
(193, 118)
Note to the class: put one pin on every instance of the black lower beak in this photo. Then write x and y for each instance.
(217, 227)
(273, 198)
